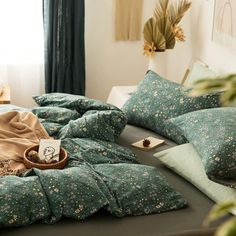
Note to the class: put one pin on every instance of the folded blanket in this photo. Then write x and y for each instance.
(18, 131)
(72, 116)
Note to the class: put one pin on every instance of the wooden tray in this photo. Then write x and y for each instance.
(154, 143)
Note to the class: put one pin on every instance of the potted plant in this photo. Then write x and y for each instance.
(163, 30)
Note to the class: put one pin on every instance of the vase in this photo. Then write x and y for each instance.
(158, 63)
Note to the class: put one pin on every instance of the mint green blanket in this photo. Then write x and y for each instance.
(99, 174)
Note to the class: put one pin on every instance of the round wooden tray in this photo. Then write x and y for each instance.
(59, 165)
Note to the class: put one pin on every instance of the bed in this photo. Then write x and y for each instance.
(185, 221)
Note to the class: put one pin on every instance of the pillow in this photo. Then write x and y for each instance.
(59, 114)
(74, 102)
(98, 119)
(198, 71)
(213, 134)
(138, 190)
(157, 99)
(186, 162)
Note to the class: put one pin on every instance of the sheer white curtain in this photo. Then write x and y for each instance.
(21, 49)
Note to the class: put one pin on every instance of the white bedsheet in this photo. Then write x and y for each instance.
(120, 94)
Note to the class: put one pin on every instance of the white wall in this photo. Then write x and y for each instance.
(198, 24)
(108, 62)
(25, 80)
(112, 63)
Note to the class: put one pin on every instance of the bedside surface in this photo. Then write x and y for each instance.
(5, 97)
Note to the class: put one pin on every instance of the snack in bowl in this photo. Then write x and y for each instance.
(31, 159)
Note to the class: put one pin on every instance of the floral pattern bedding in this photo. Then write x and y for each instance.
(99, 174)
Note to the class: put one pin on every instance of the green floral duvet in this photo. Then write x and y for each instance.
(99, 174)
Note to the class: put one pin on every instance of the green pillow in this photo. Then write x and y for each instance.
(157, 99)
(59, 114)
(213, 134)
(138, 190)
(74, 102)
(86, 118)
(185, 161)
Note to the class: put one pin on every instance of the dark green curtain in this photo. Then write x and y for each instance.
(64, 46)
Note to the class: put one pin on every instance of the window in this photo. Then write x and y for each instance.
(21, 32)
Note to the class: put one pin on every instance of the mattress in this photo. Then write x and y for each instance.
(179, 222)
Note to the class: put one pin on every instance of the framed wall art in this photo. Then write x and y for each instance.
(224, 28)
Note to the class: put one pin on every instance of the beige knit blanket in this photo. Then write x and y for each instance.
(18, 131)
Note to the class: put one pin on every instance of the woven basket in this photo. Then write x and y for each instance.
(59, 165)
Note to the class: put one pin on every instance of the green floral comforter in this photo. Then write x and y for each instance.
(99, 174)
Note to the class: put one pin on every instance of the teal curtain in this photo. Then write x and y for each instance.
(64, 46)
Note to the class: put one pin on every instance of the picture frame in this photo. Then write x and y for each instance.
(224, 23)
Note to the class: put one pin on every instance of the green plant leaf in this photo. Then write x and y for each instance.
(219, 211)
(207, 86)
(177, 11)
(228, 97)
(225, 84)
(151, 34)
(228, 228)
(165, 27)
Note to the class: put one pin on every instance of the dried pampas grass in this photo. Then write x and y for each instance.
(162, 30)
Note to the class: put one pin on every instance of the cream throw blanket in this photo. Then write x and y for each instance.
(128, 16)
(18, 131)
